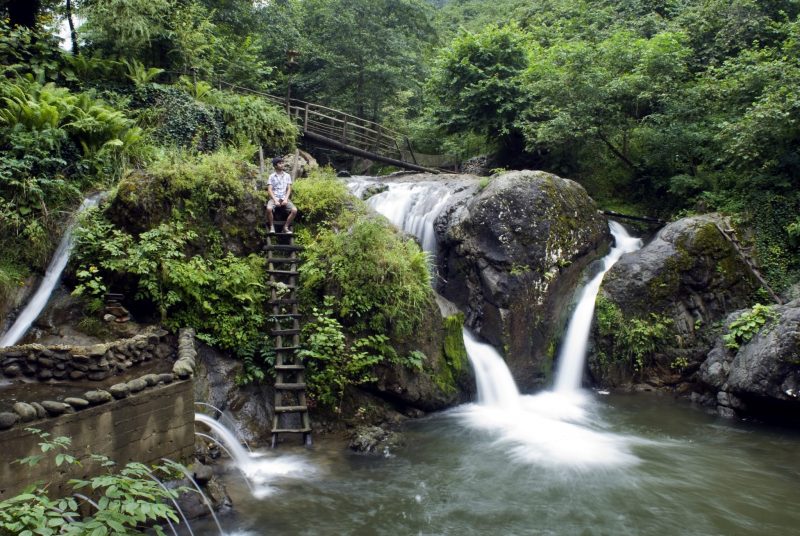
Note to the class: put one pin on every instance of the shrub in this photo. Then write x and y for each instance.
(380, 280)
(250, 119)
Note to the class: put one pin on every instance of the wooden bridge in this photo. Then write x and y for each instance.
(347, 133)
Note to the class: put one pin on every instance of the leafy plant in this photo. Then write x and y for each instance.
(127, 501)
(139, 74)
(746, 326)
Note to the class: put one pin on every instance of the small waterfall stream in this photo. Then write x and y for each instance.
(572, 357)
(51, 278)
(259, 469)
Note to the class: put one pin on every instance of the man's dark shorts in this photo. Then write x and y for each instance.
(288, 206)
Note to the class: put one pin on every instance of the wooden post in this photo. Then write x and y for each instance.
(305, 119)
(344, 130)
(260, 163)
(295, 163)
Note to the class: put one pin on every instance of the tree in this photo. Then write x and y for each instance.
(361, 53)
(478, 83)
(602, 93)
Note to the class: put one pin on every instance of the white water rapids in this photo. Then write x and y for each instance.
(552, 428)
(51, 278)
(260, 469)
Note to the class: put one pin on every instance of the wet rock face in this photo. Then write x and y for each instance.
(762, 376)
(511, 256)
(690, 277)
(249, 406)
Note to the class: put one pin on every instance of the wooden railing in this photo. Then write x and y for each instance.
(340, 126)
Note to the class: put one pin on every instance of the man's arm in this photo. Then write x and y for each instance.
(271, 193)
(288, 193)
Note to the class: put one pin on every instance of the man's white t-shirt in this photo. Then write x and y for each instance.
(280, 184)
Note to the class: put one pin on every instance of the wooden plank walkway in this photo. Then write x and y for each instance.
(345, 132)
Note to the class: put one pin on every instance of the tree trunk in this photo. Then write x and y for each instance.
(616, 152)
(72, 33)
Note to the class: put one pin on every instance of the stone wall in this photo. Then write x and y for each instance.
(144, 420)
(97, 362)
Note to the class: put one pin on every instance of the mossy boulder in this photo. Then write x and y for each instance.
(510, 257)
(445, 378)
(660, 308)
(755, 371)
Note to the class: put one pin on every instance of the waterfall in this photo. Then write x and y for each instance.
(259, 469)
(51, 278)
(410, 206)
(572, 356)
(549, 429)
(496, 387)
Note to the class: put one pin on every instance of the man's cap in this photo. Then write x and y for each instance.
(276, 160)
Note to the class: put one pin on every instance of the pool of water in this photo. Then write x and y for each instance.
(621, 464)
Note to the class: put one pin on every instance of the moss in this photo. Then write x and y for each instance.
(455, 354)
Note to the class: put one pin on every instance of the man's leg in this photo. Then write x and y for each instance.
(293, 212)
(270, 217)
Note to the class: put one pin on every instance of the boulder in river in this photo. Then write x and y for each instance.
(511, 256)
(660, 308)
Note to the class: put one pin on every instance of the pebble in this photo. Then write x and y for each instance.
(55, 408)
(25, 411)
(40, 411)
(77, 403)
(7, 420)
(137, 385)
(98, 397)
(119, 390)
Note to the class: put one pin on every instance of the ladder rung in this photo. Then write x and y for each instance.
(286, 315)
(289, 367)
(287, 348)
(283, 247)
(282, 302)
(282, 272)
(290, 386)
(283, 260)
(291, 430)
(276, 332)
(290, 409)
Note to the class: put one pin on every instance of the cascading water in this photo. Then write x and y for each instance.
(548, 429)
(51, 278)
(257, 468)
(410, 206)
(572, 356)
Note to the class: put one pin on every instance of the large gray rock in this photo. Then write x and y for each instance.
(690, 277)
(249, 406)
(511, 256)
(763, 374)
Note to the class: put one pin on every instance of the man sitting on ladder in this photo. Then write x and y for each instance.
(279, 188)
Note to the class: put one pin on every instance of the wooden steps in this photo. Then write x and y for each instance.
(291, 407)
(746, 255)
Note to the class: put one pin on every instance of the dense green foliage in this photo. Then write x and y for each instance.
(126, 501)
(374, 283)
(665, 107)
(632, 340)
(176, 261)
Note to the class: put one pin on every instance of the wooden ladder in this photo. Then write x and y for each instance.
(291, 407)
(744, 253)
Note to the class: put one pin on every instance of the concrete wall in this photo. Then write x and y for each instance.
(143, 420)
(157, 423)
